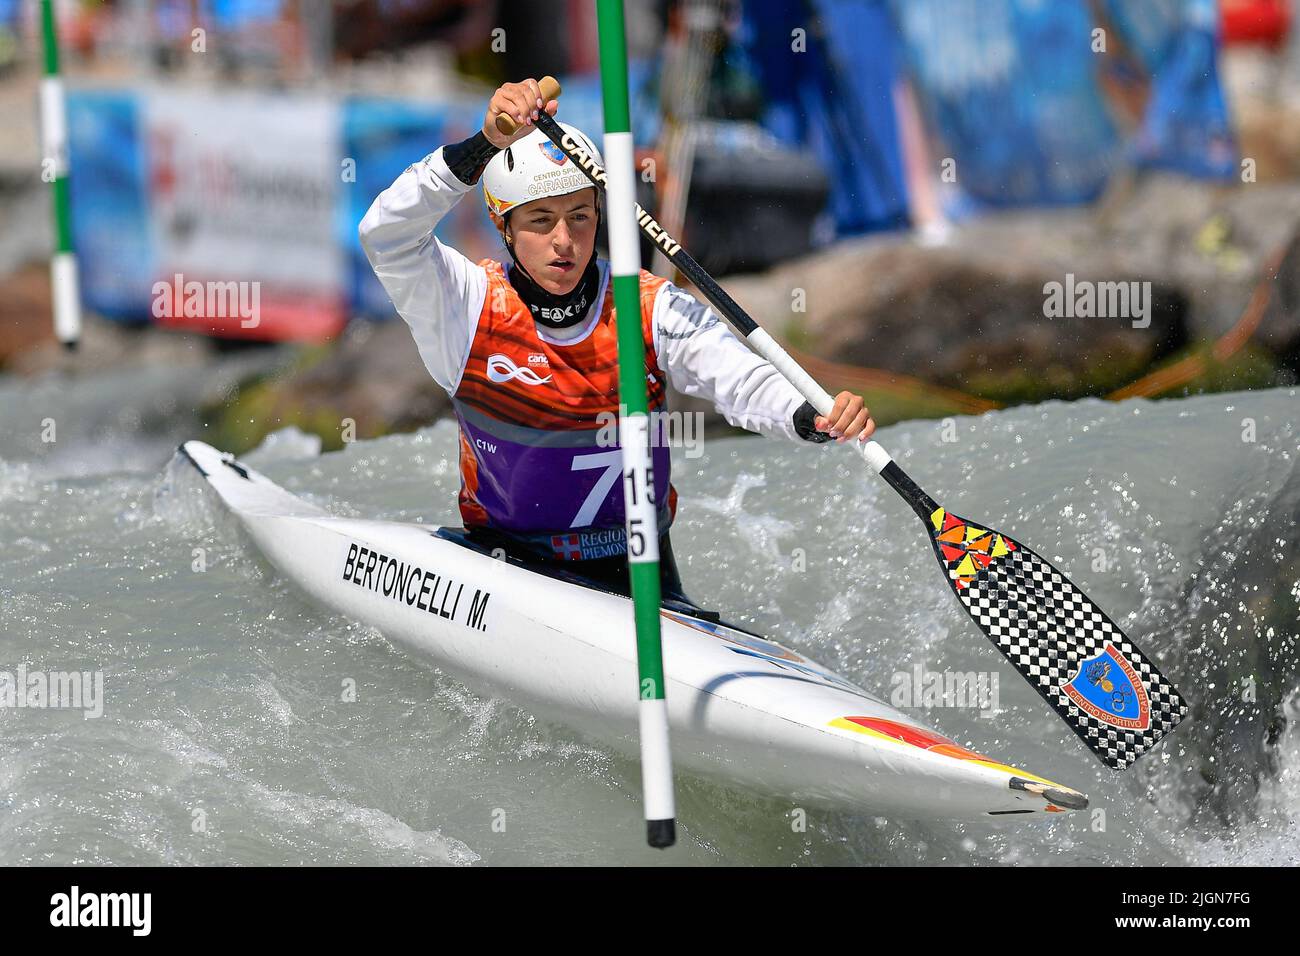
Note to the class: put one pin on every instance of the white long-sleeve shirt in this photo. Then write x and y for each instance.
(440, 293)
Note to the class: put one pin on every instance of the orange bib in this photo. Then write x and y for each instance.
(538, 450)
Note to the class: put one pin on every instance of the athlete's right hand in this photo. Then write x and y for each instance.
(521, 102)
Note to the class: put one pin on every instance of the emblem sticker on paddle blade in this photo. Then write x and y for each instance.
(1108, 688)
(1076, 657)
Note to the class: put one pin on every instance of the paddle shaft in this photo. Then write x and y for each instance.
(761, 341)
(1017, 600)
(758, 338)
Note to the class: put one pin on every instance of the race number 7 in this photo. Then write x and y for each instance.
(612, 463)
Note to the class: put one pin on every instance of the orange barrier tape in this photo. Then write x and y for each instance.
(1227, 345)
(857, 378)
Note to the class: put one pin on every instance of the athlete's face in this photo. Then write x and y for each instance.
(554, 237)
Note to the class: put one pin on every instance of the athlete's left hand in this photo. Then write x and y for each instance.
(849, 418)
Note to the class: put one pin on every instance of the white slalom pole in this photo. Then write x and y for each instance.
(634, 428)
(54, 141)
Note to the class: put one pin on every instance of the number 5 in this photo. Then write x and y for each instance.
(635, 538)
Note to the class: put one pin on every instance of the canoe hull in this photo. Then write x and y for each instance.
(742, 709)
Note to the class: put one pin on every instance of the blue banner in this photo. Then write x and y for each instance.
(1186, 126)
(109, 195)
(827, 72)
(1009, 91)
(1015, 92)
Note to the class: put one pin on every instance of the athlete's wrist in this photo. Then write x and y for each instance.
(468, 158)
(805, 424)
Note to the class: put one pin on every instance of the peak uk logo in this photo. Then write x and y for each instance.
(501, 369)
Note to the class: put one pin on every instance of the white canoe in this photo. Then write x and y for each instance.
(742, 709)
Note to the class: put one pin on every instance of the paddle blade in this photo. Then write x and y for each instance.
(1073, 654)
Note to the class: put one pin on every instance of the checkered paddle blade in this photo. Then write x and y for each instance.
(1073, 654)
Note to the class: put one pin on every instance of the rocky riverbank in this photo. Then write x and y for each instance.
(970, 317)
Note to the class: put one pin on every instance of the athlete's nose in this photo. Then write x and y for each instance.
(562, 239)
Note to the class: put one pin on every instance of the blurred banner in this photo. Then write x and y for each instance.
(1031, 100)
(384, 137)
(828, 71)
(892, 112)
(194, 208)
(109, 198)
(1185, 125)
(220, 211)
(10, 24)
(210, 212)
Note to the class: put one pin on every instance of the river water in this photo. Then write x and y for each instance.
(224, 740)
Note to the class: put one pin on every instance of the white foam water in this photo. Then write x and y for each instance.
(245, 725)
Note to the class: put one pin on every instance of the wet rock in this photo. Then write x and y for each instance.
(370, 382)
(1280, 328)
(967, 321)
(28, 346)
(972, 314)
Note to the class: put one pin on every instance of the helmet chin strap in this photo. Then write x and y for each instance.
(547, 308)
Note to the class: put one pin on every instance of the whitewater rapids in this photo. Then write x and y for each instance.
(226, 737)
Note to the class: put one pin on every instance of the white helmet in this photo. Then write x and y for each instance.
(532, 168)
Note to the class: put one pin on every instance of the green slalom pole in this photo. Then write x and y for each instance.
(634, 427)
(54, 137)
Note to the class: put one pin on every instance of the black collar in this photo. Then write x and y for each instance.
(557, 311)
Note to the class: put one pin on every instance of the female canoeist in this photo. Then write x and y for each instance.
(528, 352)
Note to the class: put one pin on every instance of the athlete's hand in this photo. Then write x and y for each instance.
(849, 418)
(521, 102)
